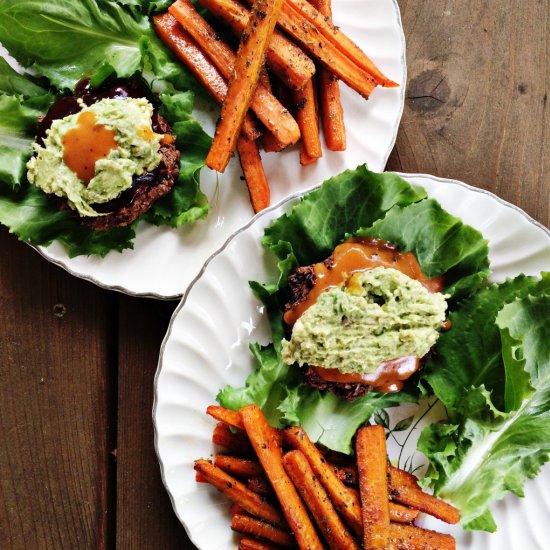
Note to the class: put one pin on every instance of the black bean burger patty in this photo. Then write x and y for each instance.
(147, 187)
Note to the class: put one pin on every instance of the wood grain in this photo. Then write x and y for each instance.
(477, 98)
(57, 341)
(145, 518)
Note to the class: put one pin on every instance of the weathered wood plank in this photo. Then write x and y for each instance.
(56, 350)
(477, 100)
(145, 518)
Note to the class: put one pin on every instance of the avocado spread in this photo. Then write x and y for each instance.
(375, 316)
(117, 131)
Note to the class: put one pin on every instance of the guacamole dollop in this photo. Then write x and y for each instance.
(136, 151)
(375, 316)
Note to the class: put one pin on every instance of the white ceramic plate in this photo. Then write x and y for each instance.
(164, 261)
(207, 347)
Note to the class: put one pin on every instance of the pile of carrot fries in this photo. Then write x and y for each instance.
(287, 492)
(285, 71)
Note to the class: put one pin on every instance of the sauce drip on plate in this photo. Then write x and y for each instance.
(360, 254)
(87, 143)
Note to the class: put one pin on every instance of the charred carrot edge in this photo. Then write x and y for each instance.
(268, 109)
(312, 41)
(336, 37)
(238, 467)
(285, 59)
(246, 72)
(226, 416)
(254, 175)
(332, 113)
(372, 465)
(236, 492)
(317, 501)
(263, 441)
(236, 442)
(260, 529)
(307, 116)
(261, 486)
(253, 544)
(188, 51)
(404, 488)
(345, 500)
(409, 537)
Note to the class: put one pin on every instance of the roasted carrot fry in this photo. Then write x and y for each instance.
(236, 442)
(372, 466)
(236, 492)
(269, 453)
(254, 174)
(285, 59)
(402, 514)
(269, 142)
(236, 509)
(269, 110)
(408, 537)
(307, 116)
(253, 544)
(345, 500)
(312, 40)
(317, 501)
(231, 418)
(404, 488)
(199, 478)
(238, 467)
(257, 528)
(187, 50)
(332, 114)
(242, 85)
(336, 37)
(261, 486)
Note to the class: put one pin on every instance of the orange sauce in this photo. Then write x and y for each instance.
(388, 377)
(167, 139)
(85, 144)
(360, 254)
(146, 133)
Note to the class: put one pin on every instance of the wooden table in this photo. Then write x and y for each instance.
(77, 465)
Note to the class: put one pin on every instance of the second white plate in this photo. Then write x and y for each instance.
(207, 347)
(164, 261)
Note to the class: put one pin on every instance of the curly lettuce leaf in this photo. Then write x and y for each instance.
(485, 452)
(355, 202)
(470, 354)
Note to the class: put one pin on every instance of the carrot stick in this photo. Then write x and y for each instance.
(345, 500)
(238, 467)
(312, 41)
(257, 528)
(226, 416)
(372, 466)
(261, 486)
(409, 537)
(199, 478)
(273, 115)
(402, 514)
(251, 163)
(285, 59)
(262, 437)
(236, 509)
(187, 50)
(253, 544)
(332, 114)
(236, 442)
(404, 488)
(248, 63)
(336, 37)
(236, 492)
(345, 474)
(317, 500)
(307, 116)
(269, 142)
